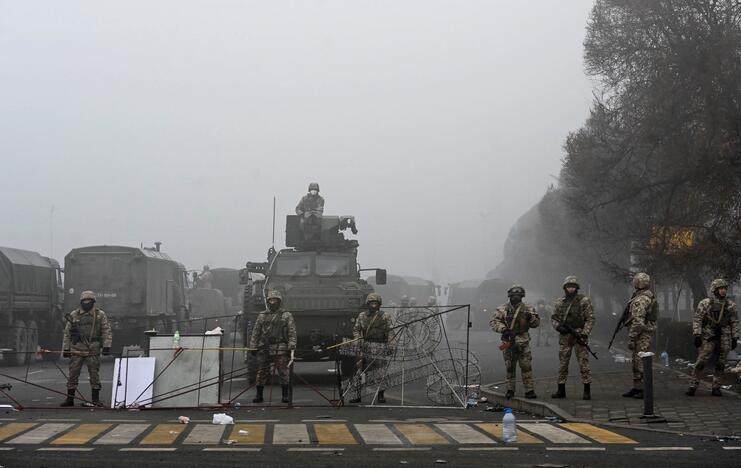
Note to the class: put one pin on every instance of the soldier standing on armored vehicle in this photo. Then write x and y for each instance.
(715, 329)
(274, 343)
(513, 320)
(573, 319)
(643, 311)
(87, 330)
(312, 203)
(371, 326)
(205, 278)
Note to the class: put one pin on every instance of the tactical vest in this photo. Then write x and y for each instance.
(88, 326)
(277, 331)
(575, 318)
(714, 313)
(375, 330)
(652, 311)
(520, 324)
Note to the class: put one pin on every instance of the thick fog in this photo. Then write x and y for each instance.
(436, 123)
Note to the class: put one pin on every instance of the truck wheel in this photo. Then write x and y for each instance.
(20, 336)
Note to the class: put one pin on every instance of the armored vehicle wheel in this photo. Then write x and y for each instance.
(20, 342)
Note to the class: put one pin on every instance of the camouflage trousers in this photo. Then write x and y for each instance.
(566, 343)
(519, 354)
(373, 371)
(93, 369)
(641, 344)
(709, 347)
(266, 361)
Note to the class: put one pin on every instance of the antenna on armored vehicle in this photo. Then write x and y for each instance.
(273, 244)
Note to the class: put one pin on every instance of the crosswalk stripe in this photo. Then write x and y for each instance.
(603, 436)
(163, 434)
(377, 434)
(9, 430)
(496, 431)
(41, 433)
(248, 434)
(290, 434)
(209, 434)
(464, 434)
(82, 434)
(122, 434)
(421, 434)
(553, 433)
(334, 434)
(65, 449)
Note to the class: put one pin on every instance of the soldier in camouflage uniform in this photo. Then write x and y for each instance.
(371, 326)
(573, 319)
(643, 311)
(715, 329)
(513, 320)
(274, 343)
(87, 332)
(312, 203)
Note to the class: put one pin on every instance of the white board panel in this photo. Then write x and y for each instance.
(131, 377)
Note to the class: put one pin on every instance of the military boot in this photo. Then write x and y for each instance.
(638, 394)
(96, 398)
(716, 392)
(70, 400)
(381, 399)
(258, 395)
(691, 391)
(631, 393)
(561, 392)
(356, 400)
(587, 392)
(530, 395)
(286, 391)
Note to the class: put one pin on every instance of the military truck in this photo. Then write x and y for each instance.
(221, 304)
(410, 286)
(139, 288)
(319, 277)
(30, 304)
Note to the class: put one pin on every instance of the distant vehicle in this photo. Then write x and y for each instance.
(138, 288)
(30, 304)
(461, 293)
(319, 277)
(411, 286)
(221, 304)
(490, 294)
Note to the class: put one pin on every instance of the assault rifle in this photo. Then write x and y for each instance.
(578, 338)
(623, 322)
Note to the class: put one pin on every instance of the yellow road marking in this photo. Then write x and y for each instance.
(334, 434)
(602, 436)
(255, 434)
(81, 434)
(522, 436)
(163, 434)
(9, 430)
(420, 434)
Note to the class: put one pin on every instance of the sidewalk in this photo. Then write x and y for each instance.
(700, 414)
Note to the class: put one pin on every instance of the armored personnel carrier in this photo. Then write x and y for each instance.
(319, 277)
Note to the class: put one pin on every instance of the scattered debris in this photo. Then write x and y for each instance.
(554, 419)
(483, 399)
(173, 432)
(215, 331)
(440, 461)
(229, 441)
(403, 462)
(221, 418)
(184, 419)
(243, 432)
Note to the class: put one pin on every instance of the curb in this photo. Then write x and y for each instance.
(543, 409)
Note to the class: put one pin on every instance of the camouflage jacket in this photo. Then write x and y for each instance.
(274, 332)
(578, 312)
(640, 307)
(310, 204)
(712, 314)
(87, 331)
(374, 328)
(504, 318)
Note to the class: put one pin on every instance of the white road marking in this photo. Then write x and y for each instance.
(377, 434)
(205, 434)
(65, 449)
(122, 434)
(576, 449)
(315, 449)
(474, 449)
(554, 434)
(124, 420)
(6, 449)
(290, 434)
(464, 434)
(226, 449)
(40, 434)
(323, 420)
(401, 449)
(731, 448)
(659, 449)
(147, 449)
(58, 420)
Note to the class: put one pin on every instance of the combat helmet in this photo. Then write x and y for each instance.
(516, 290)
(717, 284)
(274, 294)
(641, 280)
(313, 186)
(373, 297)
(87, 295)
(571, 280)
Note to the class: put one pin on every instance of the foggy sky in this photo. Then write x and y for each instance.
(179, 121)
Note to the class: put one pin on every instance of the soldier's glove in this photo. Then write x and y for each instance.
(631, 345)
(697, 341)
(106, 350)
(583, 338)
(253, 352)
(562, 329)
(734, 342)
(508, 335)
(66, 353)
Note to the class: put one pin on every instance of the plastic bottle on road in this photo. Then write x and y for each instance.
(509, 427)
(665, 359)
